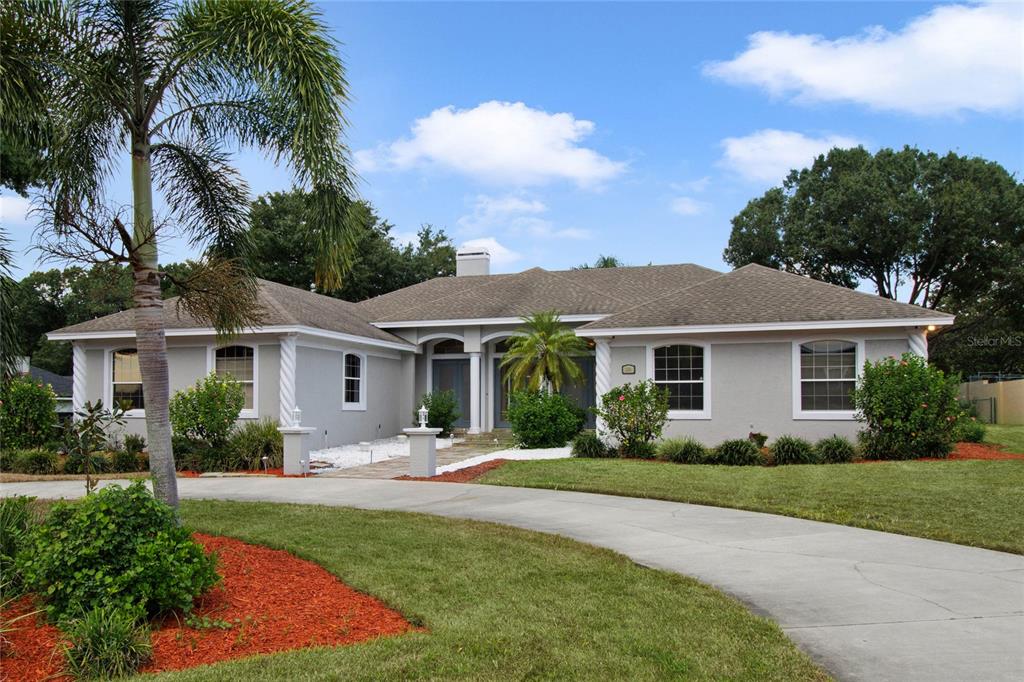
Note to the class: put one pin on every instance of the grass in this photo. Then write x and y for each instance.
(967, 502)
(1010, 437)
(501, 603)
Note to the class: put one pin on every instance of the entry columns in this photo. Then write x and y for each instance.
(602, 375)
(474, 392)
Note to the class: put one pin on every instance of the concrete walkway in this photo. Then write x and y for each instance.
(866, 605)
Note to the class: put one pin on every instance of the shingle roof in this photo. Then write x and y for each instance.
(597, 291)
(280, 305)
(755, 294)
(60, 384)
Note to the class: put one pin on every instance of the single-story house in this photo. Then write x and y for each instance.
(60, 384)
(754, 349)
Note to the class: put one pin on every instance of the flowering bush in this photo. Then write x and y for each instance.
(909, 409)
(635, 414)
(208, 410)
(28, 413)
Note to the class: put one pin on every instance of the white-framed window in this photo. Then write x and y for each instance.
(126, 381)
(825, 373)
(683, 370)
(239, 362)
(353, 385)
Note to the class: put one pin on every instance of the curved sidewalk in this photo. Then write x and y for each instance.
(866, 605)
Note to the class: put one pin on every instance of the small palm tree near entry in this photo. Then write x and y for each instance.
(543, 355)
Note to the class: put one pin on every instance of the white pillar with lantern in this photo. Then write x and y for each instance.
(422, 446)
(296, 445)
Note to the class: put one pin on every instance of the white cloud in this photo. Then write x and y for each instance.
(687, 206)
(514, 215)
(500, 255)
(14, 210)
(500, 142)
(768, 155)
(955, 58)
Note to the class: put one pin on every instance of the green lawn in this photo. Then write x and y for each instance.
(1010, 437)
(967, 502)
(500, 603)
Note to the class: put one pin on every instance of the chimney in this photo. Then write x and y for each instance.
(472, 261)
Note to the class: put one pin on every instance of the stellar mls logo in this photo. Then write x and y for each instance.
(1010, 340)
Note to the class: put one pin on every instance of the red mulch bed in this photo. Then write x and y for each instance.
(272, 600)
(467, 475)
(965, 451)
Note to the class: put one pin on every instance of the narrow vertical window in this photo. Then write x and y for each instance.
(127, 380)
(238, 363)
(353, 380)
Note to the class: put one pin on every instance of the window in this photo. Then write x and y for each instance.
(353, 382)
(448, 346)
(238, 362)
(127, 380)
(680, 369)
(828, 374)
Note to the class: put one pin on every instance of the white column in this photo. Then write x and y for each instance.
(474, 392)
(77, 377)
(602, 374)
(918, 344)
(287, 392)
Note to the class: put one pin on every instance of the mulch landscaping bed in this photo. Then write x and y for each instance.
(467, 475)
(268, 601)
(964, 451)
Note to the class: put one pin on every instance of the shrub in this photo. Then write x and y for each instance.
(682, 450)
(117, 547)
(835, 450)
(16, 519)
(636, 415)
(106, 642)
(254, 440)
(198, 455)
(28, 413)
(542, 420)
(909, 409)
(208, 410)
(442, 411)
(98, 463)
(793, 450)
(589, 444)
(738, 452)
(969, 430)
(36, 462)
(124, 461)
(134, 443)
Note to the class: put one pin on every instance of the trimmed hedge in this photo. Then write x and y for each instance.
(543, 420)
(737, 452)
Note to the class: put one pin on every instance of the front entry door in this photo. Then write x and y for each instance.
(453, 375)
(502, 391)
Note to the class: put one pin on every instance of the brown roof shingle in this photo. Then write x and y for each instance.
(755, 294)
(281, 305)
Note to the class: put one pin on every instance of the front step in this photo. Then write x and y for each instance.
(502, 436)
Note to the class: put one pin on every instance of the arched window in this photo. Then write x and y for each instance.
(828, 374)
(448, 346)
(127, 380)
(354, 382)
(680, 369)
(239, 363)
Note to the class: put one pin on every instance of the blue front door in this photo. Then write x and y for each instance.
(453, 375)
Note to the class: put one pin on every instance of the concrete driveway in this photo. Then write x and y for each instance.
(865, 605)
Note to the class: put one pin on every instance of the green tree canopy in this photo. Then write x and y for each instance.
(543, 354)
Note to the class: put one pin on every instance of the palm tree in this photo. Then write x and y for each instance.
(541, 355)
(174, 88)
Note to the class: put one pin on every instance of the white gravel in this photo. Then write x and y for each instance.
(353, 455)
(536, 453)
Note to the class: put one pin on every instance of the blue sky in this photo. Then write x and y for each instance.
(557, 132)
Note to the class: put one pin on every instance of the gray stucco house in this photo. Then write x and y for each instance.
(754, 349)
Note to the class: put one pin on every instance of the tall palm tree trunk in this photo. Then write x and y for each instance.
(150, 341)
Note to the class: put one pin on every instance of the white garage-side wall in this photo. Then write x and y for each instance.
(750, 383)
(318, 393)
